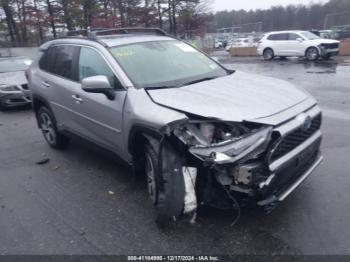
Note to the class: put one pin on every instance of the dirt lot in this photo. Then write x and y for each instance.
(65, 207)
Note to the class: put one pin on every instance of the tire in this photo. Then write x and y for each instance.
(165, 186)
(268, 54)
(312, 54)
(47, 124)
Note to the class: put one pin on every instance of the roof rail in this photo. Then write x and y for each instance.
(97, 33)
(94, 34)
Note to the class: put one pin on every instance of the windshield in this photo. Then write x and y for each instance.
(14, 64)
(164, 64)
(309, 35)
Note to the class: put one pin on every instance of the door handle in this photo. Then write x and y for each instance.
(77, 99)
(46, 84)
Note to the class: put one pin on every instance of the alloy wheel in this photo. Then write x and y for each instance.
(151, 179)
(47, 128)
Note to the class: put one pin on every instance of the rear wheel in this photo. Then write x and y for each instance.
(268, 54)
(47, 124)
(312, 54)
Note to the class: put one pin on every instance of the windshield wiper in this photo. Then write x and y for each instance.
(199, 80)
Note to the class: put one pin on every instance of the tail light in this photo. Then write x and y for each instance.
(26, 73)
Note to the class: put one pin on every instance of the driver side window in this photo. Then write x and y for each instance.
(91, 63)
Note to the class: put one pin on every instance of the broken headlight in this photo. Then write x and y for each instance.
(224, 142)
(205, 134)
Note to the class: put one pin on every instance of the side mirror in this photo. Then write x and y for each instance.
(299, 39)
(98, 85)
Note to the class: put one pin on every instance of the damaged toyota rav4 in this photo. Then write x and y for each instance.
(200, 134)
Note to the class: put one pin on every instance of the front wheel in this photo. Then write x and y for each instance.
(165, 182)
(48, 127)
(312, 54)
(268, 54)
(151, 169)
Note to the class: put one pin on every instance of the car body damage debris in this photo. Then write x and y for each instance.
(43, 161)
(190, 202)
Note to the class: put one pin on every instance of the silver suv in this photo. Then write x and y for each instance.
(197, 132)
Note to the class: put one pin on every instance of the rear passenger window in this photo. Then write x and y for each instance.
(43, 62)
(278, 37)
(58, 60)
(293, 37)
(91, 63)
(62, 61)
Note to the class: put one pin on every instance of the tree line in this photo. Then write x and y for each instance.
(32, 21)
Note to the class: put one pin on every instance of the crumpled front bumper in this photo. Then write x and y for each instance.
(329, 52)
(270, 179)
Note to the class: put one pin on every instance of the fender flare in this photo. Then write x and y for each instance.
(140, 129)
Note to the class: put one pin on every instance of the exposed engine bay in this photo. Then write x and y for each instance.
(224, 165)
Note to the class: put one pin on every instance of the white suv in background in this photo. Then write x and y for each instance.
(297, 43)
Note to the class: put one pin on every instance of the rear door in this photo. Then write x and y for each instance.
(58, 82)
(98, 118)
(281, 44)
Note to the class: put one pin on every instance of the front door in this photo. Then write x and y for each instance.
(98, 118)
(294, 47)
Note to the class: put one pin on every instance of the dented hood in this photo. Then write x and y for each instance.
(237, 97)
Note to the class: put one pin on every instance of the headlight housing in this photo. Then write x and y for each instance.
(208, 133)
(8, 88)
(229, 141)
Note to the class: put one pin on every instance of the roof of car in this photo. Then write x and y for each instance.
(131, 39)
(13, 58)
(108, 41)
(110, 37)
(287, 31)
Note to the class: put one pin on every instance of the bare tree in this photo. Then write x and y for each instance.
(66, 14)
(38, 14)
(11, 24)
(51, 18)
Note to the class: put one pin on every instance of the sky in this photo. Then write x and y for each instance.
(220, 5)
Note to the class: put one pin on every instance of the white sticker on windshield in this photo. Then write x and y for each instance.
(186, 48)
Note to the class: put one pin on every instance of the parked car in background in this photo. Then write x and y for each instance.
(13, 83)
(326, 34)
(240, 42)
(343, 32)
(297, 43)
(218, 44)
(198, 133)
